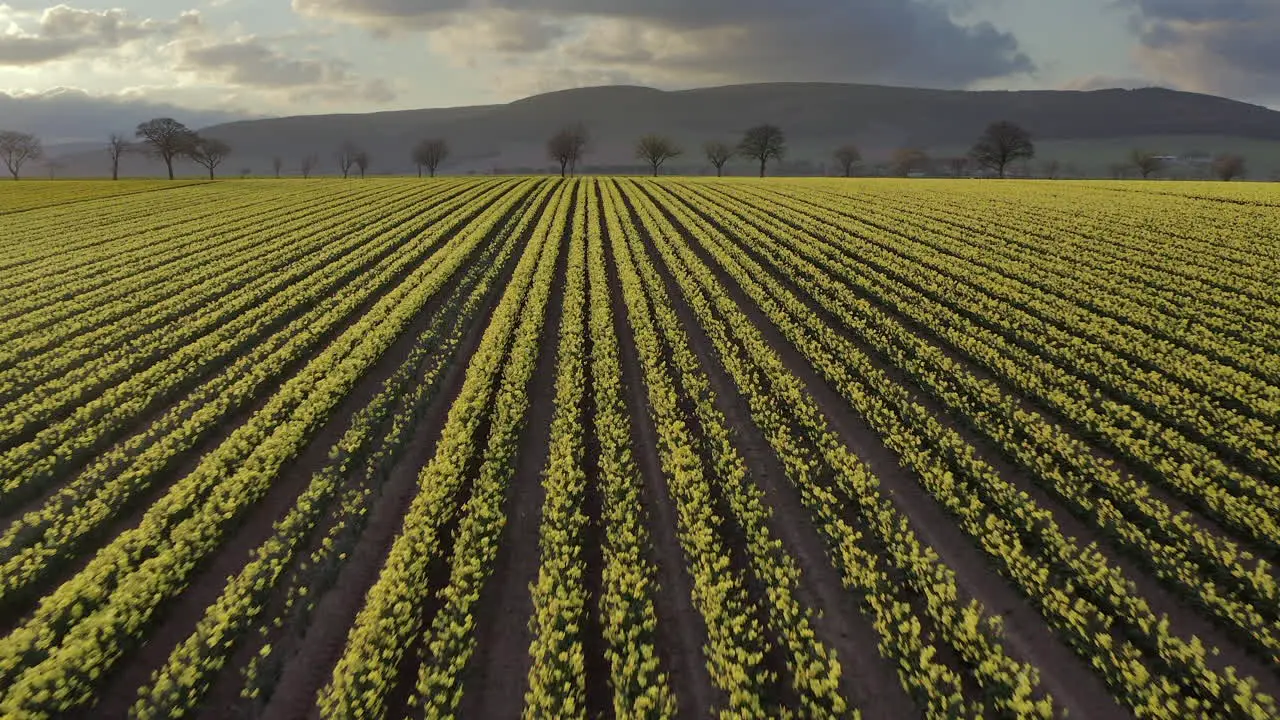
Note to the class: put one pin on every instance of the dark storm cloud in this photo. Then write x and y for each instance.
(894, 41)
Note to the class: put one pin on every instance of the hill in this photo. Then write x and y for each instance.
(816, 116)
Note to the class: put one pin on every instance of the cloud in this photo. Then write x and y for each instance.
(60, 32)
(504, 31)
(63, 115)
(681, 42)
(249, 62)
(1227, 47)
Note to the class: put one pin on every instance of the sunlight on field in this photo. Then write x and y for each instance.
(511, 446)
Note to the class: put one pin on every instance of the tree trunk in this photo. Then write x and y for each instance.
(719, 171)
(419, 171)
(433, 172)
(762, 164)
(655, 171)
(210, 173)
(115, 169)
(169, 164)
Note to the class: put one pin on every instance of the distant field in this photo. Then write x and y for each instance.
(30, 194)
(1095, 157)
(504, 447)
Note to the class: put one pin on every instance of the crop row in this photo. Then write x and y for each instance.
(356, 467)
(391, 621)
(1080, 594)
(54, 659)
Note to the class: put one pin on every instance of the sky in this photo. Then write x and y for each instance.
(79, 70)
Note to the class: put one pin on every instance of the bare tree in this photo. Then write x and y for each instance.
(117, 145)
(846, 157)
(1147, 163)
(361, 160)
(1051, 169)
(308, 165)
(909, 160)
(655, 150)
(18, 147)
(560, 149)
(430, 154)
(568, 146)
(1002, 143)
(718, 153)
(168, 139)
(1228, 166)
(208, 152)
(763, 143)
(346, 158)
(277, 164)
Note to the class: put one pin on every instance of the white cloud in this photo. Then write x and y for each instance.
(61, 31)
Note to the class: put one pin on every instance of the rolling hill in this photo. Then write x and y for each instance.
(1087, 125)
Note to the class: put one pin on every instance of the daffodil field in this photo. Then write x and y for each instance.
(639, 448)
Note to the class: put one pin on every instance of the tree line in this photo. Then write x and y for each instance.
(999, 147)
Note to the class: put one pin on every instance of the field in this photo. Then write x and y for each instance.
(504, 447)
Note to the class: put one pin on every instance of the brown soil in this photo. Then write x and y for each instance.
(185, 462)
(1027, 637)
(497, 674)
(306, 672)
(868, 681)
(681, 630)
(181, 618)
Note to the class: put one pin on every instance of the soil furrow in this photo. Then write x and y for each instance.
(681, 629)
(497, 674)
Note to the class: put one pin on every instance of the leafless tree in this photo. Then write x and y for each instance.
(909, 160)
(1228, 166)
(18, 147)
(308, 165)
(1001, 144)
(718, 153)
(277, 164)
(117, 145)
(346, 158)
(565, 147)
(208, 152)
(362, 162)
(1051, 169)
(1147, 163)
(655, 150)
(168, 139)
(430, 154)
(560, 147)
(763, 143)
(846, 157)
